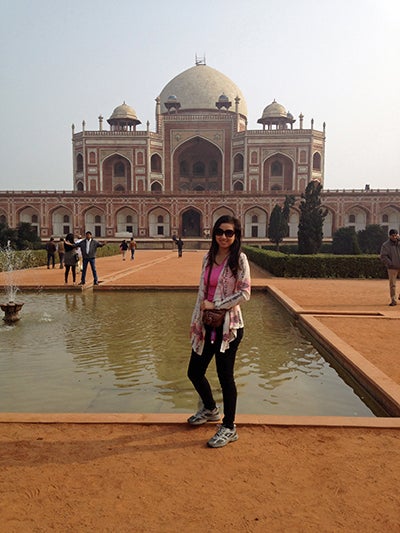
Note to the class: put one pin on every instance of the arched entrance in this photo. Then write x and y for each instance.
(197, 166)
(191, 223)
(278, 173)
(255, 223)
(159, 223)
(61, 221)
(116, 174)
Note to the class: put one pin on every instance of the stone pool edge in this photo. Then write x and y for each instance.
(180, 419)
(378, 384)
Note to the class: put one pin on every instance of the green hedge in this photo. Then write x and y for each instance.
(284, 248)
(318, 265)
(326, 248)
(108, 249)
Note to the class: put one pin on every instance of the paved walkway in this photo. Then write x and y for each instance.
(151, 268)
(350, 317)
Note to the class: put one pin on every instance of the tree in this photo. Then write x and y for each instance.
(371, 239)
(275, 226)
(288, 203)
(23, 237)
(278, 227)
(344, 242)
(6, 234)
(312, 217)
(27, 236)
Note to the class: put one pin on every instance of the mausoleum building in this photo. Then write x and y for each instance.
(200, 161)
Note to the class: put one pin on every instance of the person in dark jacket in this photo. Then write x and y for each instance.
(88, 248)
(179, 243)
(123, 247)
(390, 257)
(51, 252)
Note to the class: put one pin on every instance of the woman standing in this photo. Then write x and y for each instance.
(70, 257)
(224, 284)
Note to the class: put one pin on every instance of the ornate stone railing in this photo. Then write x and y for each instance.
(297, 132)
(183, 193)
(105, 133)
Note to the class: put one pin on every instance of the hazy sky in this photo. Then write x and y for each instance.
(336, 61)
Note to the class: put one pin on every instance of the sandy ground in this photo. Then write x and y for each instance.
(156, 478)
(162, 477)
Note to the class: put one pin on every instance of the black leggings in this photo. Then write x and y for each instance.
(66, 272)
(225, 363)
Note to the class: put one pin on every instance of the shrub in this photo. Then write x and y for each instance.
(345, 241)
(371, 239)
(317, 265)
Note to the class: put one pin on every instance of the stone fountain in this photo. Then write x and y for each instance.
(11, 311)
(9, 263)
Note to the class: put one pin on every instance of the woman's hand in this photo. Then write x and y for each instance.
(205, 304)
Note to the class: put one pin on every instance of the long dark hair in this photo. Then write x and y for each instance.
(235, 248)
(69, 238)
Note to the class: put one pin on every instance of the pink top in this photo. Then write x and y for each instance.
(215, 273)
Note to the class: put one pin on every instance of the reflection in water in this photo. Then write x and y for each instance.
(128, 352)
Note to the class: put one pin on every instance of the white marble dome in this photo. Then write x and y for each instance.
(124, 111)
(274, 110)
(199, 88)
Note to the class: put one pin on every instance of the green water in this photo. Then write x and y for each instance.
(128, 351)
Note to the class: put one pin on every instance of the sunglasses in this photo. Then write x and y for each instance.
(228, 233)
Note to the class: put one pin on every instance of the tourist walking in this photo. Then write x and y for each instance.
(390, 257)
(224, 285)
(51, 252)
(61, 252)
(179, 243)
(71, 257)
(88, 247)
(123, 247)
(132, 248)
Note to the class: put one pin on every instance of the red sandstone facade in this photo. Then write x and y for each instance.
(201, 162)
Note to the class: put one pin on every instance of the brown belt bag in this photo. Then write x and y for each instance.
(213, 317)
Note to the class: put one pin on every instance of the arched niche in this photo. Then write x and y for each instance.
(197, 163)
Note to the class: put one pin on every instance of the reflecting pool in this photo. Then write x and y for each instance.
(127, 351)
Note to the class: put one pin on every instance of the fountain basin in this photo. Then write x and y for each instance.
(11, 311)
(127, 351)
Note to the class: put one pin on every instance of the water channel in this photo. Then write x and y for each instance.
(127, 352)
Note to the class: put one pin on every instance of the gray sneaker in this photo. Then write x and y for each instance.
(222, 437)
(204, 415)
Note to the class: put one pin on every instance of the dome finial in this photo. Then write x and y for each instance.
(200, 60)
